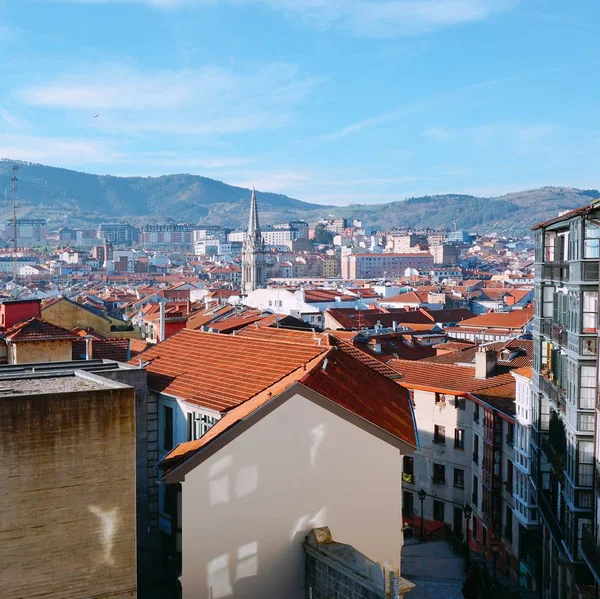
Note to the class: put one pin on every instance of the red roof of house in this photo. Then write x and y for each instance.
(219, 372)
(516, 319)
(336, 375)
(36, 329)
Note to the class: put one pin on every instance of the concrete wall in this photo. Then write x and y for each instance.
(68, 315)
(67, 507)
(247, 509)
(57, 350)
(146, 426)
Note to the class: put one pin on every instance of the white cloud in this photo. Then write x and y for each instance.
(523, 136)
(10, 120)
(57, 150)
(371, 18)
(207, 101)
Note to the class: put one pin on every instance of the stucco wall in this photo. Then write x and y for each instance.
(40, 351)
(247, 509)
(67, 506)
(68, 315)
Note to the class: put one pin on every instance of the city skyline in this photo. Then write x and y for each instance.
(328, 102)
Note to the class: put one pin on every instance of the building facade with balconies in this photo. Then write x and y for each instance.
(567, 251)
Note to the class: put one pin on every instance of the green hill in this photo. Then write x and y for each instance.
(66, 196)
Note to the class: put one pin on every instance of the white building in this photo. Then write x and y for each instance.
(242, 507)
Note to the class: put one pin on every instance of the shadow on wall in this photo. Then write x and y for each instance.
(238, 572)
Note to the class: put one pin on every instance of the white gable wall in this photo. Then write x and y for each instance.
(247, 509)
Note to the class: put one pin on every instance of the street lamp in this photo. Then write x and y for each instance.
(496, 547)
(422, 494)
(468, 512)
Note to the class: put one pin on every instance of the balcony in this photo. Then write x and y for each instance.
(556, 271)
(554, 393)
(591, 552)
(475, 458)
(548, 515)
(438, 480)
(510, 440)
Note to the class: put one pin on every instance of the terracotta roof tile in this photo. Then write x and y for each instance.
(501, 320)
(219, 372)
(36, 329)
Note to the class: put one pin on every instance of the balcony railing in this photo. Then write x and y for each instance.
(590, 551)
(475, 458)
(548, 516)
(510, 440)
(557, 271)
(438, 480)
(554, 393)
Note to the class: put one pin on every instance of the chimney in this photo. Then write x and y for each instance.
(394, 326)
(162, 321)
(485, 363)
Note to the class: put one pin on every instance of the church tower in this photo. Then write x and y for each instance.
(253, 254)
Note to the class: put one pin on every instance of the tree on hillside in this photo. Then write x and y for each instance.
(322, 235)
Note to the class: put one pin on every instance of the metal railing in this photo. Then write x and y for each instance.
(591, 551)
(557, 271)
(548, 514)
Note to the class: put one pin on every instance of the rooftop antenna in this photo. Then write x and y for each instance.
(13, 183)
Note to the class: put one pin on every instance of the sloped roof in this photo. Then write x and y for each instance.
(333, 374)
(219, 372)
(515, 319)
(36, 329)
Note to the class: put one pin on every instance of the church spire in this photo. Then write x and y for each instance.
(253, 224)
(253, 253)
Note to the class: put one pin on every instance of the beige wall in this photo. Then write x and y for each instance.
(247, 509)
(40, 351)
(67, 506)
(68, 315)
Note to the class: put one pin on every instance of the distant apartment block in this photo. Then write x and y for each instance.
(370, 266)
(118, 233)
(30, 231)
(152, 235)
(444, 254)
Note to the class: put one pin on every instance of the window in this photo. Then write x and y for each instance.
(438, 510)
(167, 428)
(459, 403)
(590, 311)
(440, 399)
(508, 524)
(508, 483)
(439, 474)
(475, 493)
(510, 434)
(585, 458)
(586, 422)
(591, 245)
(459, 438)
(170, 501)
(475, 449)
(549, 245)
(198, 424)
(476, 412)
(408, 474)
(439, 434)
(407, 504)
(587, 383)
(459, 478)
(547, 301)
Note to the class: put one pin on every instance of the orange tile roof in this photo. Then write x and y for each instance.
(448, 378)
(501, 320)
(36, 329)
(287, 335)
(341, 379)
(219, 372)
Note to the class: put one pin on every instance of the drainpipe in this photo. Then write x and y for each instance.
(162, 321)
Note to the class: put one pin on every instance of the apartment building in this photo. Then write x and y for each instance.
(465, 407)
(373, 266)
(119, 233)
(564, 383)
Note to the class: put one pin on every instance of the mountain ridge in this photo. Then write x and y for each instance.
(72, 196)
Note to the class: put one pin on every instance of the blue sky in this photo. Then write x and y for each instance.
(332, 101)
